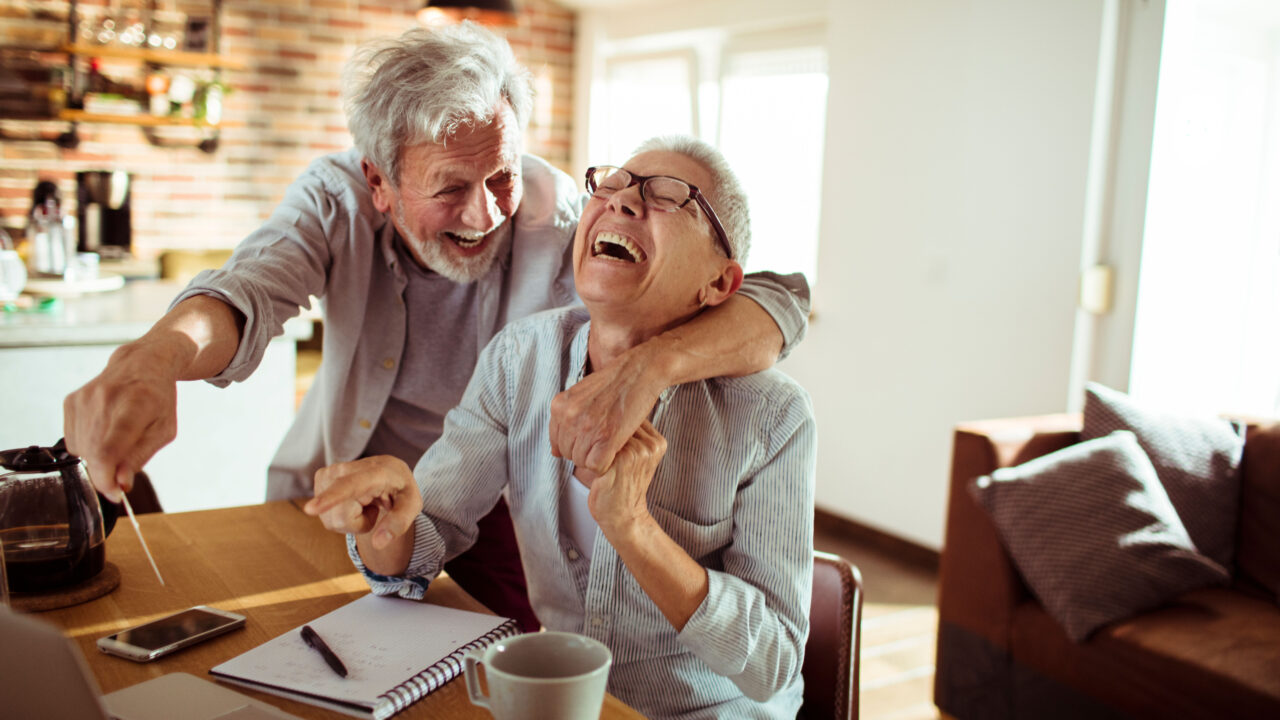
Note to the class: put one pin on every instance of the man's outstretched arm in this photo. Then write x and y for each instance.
(121, 418)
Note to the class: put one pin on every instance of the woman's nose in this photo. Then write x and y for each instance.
(627, 201)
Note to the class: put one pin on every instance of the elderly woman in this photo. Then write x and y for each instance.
(691, 556)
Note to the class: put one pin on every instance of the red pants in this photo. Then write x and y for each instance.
(491, 572)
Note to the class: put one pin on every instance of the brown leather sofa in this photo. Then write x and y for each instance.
(1212, 653)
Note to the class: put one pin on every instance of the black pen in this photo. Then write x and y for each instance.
(310, 637)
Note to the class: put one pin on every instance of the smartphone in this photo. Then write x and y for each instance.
(170, 633)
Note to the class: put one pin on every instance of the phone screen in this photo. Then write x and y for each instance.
(169, 630)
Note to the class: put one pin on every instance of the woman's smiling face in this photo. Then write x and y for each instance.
(647, 262)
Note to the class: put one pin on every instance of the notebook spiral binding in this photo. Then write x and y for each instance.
(419, 686)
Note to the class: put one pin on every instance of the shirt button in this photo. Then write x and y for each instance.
(596, 622)
(388, 363)
(365, 424)
(573, 554)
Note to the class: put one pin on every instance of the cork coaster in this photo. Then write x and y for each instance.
(95, 587)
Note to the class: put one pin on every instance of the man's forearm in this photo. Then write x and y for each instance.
(195, 340)
(732, 339)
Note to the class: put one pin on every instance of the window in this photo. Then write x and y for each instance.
(772, 128)
(647, 96)
(760, 98)
(1207, 329)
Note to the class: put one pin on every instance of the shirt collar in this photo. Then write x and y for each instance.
(578, 355)
(387, 244)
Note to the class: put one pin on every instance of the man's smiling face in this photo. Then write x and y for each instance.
(453, 199)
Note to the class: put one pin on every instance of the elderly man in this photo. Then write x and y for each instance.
(691, 556)
(422, 242)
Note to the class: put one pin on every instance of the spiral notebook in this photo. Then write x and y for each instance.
(396, 652)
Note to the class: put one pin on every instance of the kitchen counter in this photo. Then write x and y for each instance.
(114, 317)
(226, 436)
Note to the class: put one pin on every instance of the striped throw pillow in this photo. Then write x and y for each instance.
(1093, 533)
(1196, 458)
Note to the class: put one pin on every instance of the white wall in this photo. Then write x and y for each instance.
(957, 153)
(958, 135)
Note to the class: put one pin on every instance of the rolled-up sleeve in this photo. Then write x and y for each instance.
(460, 477)
(752, 625)
(786, 299)
(275, 270)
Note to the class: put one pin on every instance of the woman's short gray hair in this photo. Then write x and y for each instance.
(426, 84)
(726, 195)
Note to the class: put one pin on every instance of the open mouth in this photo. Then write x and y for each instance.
(612, 245)
(465, 240)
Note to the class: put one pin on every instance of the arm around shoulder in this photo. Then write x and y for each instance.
(745, 334)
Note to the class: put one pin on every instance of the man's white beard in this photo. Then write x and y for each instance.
(439, 258)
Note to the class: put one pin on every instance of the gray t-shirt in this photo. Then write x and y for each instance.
(442, 343)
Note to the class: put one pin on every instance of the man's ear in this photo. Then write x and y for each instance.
(723, 285)
(378, 186)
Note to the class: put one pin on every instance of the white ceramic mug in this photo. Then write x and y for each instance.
(551, 675)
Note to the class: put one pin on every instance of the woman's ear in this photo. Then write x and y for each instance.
(378, 186)
(724, 284)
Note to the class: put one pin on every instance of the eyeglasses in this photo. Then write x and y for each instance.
(659, 192)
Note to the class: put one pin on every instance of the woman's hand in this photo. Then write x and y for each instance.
(618, 499)
(376, 499)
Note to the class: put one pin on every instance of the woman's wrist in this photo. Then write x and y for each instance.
(632, 530)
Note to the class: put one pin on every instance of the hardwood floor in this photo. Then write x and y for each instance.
(899, 625)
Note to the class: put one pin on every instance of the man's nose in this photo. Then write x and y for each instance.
(627, 201)
(481, 210)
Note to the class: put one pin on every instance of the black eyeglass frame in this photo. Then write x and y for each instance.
(694, 194)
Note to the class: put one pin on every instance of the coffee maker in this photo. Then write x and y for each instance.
(103, 211)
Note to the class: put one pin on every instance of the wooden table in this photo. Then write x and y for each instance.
(272, 563)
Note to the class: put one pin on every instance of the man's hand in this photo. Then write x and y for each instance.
(618, 499)
(374, 496)
(121, 418)
(591, 421)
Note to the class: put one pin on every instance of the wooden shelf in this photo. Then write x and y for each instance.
(157, 57)
(140, 119)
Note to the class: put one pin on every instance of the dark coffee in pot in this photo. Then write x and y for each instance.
(41, 558)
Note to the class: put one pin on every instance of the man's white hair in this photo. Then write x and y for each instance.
(426, 84)
(726, 195)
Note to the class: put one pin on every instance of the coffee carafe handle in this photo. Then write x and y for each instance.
(109, 511)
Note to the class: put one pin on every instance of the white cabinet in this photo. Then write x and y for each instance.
(226, 437)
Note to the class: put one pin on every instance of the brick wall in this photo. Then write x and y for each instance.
(284, 111)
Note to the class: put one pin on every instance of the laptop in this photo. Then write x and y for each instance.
(44, 677)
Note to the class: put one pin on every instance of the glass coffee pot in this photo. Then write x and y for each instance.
(51, 524)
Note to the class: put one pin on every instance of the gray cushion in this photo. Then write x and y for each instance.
(1196, 458)
(1093, 533)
